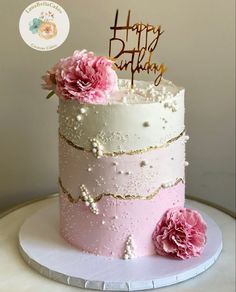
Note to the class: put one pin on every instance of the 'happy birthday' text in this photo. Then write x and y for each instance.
(138, 58)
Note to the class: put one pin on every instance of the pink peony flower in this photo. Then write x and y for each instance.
(181, 233)
(83, 77)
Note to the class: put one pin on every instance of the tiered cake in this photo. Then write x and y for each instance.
(121, 167)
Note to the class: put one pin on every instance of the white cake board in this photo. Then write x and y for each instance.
(47, 252)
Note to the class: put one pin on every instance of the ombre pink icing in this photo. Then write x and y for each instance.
(122, 174)
(180, 233)
(106, 233)
(83, 77)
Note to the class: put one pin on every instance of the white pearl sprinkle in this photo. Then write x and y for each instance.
(93, 205)
(83, 110)
(126, 257)
(186, 163)
(79, 117)
(89, 169)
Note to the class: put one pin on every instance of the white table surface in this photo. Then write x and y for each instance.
(17, 276)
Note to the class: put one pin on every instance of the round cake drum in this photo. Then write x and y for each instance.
(44, 250)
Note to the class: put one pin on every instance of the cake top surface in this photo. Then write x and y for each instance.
(143, 92)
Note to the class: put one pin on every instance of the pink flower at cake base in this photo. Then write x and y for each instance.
(83, 77)
(181, 233)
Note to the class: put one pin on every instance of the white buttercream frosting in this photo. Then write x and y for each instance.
(134, 119)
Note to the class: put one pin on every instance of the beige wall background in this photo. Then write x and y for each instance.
(198, 48)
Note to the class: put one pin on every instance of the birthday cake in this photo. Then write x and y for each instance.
(122, 157)
(121, 167)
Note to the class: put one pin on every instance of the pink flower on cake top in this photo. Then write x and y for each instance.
(181, 233)
(83, 77)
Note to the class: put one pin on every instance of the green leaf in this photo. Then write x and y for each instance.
(50, 94)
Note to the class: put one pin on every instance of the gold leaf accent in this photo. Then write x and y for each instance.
(132, 152)
(118, 196)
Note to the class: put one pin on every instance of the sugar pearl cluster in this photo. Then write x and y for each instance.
(163, 96)
(79, 117)
(129, 252)
(97, 148)
(186, 138)
(88, 200)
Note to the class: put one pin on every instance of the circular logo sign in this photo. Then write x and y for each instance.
(44, 25)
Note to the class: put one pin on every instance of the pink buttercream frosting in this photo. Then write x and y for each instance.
(180, 233)
(106, 233)
(83, 77)
(159, 168)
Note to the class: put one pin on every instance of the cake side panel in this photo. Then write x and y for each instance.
(126, 190)
(137, 175)
(106, 233)
(128, 203)
(121, 127)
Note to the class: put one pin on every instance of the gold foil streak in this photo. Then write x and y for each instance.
(97, 198)
(132, 152)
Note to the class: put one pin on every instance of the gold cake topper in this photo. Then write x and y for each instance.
(138, 58)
